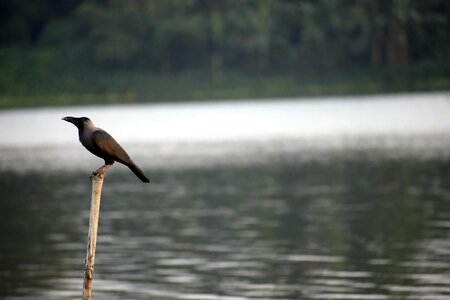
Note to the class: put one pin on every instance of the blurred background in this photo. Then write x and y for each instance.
(72, 52)
(296, 149)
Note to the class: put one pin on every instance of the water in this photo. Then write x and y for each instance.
(344, 213)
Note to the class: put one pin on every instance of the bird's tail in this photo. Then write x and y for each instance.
(138, 172)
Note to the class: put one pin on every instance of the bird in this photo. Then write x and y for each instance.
(102, 144)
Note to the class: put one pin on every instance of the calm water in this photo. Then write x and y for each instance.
(340, 214)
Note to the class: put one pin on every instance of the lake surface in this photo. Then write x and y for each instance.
(337, 198)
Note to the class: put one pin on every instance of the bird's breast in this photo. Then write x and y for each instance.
(86, 140)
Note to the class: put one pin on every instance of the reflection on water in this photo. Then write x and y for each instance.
(290, 200)
(344, 227)
(330, 118)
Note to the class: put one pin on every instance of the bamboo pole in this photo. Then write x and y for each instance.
(88, 273)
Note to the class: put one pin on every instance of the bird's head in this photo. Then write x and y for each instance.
(79, 122)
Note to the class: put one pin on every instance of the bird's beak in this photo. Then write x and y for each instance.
(68, 119)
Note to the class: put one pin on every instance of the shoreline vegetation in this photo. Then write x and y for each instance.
(84, 85)
(104, 51)
(237, 86)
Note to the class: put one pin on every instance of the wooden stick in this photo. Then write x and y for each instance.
(88, 274)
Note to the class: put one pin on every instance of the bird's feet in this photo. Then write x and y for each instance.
(97, 174)
(100, 172)
(93, 175)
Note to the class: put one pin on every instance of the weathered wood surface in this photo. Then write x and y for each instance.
(88, 273)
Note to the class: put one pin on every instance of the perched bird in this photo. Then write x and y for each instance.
(100, 143)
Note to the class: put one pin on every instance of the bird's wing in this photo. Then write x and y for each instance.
(108, 146)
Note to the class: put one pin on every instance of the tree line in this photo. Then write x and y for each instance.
(260, 36)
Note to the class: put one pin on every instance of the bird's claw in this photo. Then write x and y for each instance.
(97, 174)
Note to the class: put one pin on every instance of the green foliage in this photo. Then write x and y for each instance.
(101, 46)
(118, 32)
